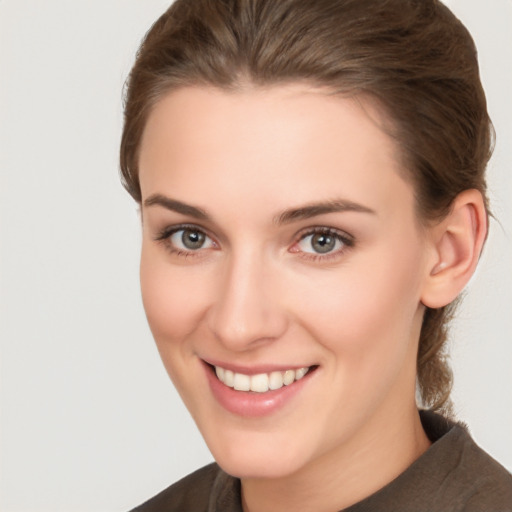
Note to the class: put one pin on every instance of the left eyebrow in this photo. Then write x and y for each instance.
(314, 209)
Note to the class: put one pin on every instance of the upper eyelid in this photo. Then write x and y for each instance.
(167, 231)
(324, 229)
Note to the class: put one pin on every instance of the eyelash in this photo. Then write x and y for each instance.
(347, 242)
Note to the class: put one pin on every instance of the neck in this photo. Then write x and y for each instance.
(348, 474)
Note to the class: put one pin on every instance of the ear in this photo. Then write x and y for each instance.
(456, 243)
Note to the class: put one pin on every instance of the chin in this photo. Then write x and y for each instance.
(258, 467)
(257, 455)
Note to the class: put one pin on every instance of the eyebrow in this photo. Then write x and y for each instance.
(176, 206)
(286, 217)
(321, 208)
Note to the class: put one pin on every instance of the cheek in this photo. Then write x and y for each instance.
(366, 312)
(174, 300)
(367, 318)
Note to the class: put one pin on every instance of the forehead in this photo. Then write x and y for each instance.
(289, 142)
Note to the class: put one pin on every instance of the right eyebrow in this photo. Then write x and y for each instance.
(176, 206)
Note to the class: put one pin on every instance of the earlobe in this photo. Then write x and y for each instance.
(457, 242)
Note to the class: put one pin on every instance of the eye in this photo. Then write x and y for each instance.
(320, 243)
(189, 239)
(185, 240)
(323, 242)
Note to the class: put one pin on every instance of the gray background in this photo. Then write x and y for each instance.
(89, 421)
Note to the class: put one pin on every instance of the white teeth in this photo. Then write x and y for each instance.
(288, 377)
(229, 378)
(261, 382)
(242, 382)
(220, 373)
(300, 373)
(275, 380)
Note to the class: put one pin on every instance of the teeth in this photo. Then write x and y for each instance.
(229, 378)
(300, 373)
(242, 382)
(275, 380)
(288, 377)
(220, 373)
(261, 382)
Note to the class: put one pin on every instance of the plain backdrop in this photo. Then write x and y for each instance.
(89, 420)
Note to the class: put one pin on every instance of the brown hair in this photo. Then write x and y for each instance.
(413, 56)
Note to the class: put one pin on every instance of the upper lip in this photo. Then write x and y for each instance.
(255, 369)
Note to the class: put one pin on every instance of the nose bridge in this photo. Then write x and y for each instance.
(246, 310)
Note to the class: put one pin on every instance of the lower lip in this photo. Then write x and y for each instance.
(252, 404)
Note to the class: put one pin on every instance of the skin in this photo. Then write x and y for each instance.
(256, 293)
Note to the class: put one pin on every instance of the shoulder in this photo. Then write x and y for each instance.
(453, 475)
(458, 474)
(480, 482)
(191, 493)
(472, 479)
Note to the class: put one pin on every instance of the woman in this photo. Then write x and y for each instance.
(311, 183)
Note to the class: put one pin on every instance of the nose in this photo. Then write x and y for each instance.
(246, 311)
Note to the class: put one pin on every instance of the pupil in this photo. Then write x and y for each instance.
(192, 239)
(323, 243)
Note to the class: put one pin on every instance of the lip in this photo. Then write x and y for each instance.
(248, 403)
(255, 370)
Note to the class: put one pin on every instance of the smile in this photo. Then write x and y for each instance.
(254, 392)
(262, 382)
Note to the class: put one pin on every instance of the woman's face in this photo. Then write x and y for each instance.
(280, 237)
